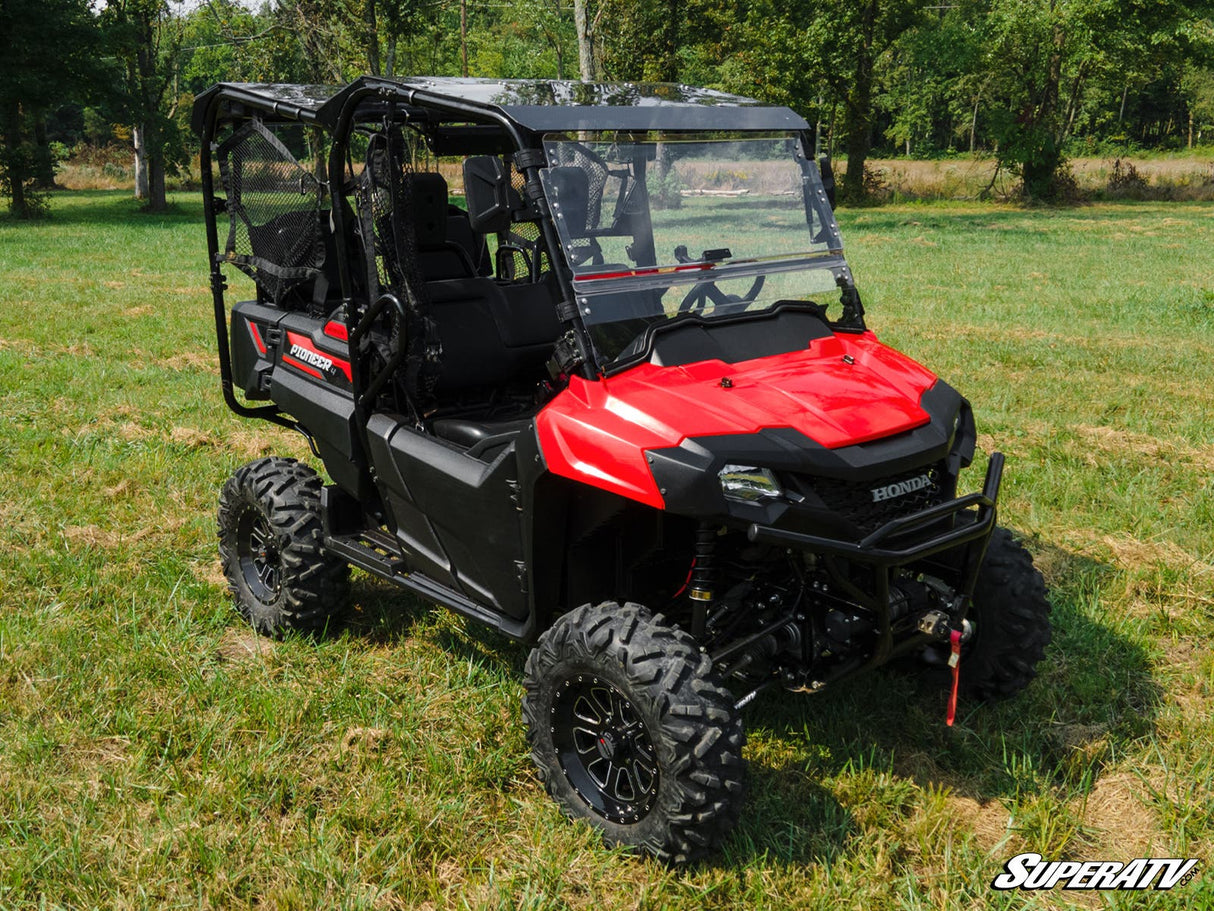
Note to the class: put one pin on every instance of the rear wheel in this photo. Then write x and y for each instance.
(271, 548)
(631, 731)
(1011, 619)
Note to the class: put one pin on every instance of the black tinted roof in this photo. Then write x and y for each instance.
(540, 106)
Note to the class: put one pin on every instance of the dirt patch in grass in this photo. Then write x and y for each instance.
(363, 740)
(244, 645)
(101, 752)
(1133, 553)
(1118, 817)
(98, 537)
(987, 820)
(253, 444)
(1125, 443)
(192, 360)
(122, 490)
(132, 431)
(192, 437)
(212, 574)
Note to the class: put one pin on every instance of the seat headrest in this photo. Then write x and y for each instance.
(427, 195)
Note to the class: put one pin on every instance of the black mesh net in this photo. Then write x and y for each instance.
(599, 182)
(274, 205)
(525, 236)
(385, 218)
(385, 208)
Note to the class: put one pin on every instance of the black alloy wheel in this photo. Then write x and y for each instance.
(632, 732)
(271, 546)
(259, 555)
(604, 748)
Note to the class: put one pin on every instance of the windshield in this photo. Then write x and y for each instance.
(658, 226)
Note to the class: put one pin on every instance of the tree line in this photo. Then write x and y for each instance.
(1024, 81)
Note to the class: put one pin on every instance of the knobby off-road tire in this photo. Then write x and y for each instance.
(632, 732)
(1011, 616)
(271, 548)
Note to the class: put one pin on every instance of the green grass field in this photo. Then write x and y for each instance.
(153, 754)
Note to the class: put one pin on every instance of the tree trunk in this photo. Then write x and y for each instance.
(14, 162)
(974, 124)
(157, 199)
(587, 64)
(372, 28)
(857, 121)
(44, 159)
(858, 109)
(1039, 172)
(151, 147)
(463, 35)
(830, 131)
(138, 136)
(670, 42)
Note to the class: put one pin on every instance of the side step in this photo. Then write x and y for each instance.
(378, 553)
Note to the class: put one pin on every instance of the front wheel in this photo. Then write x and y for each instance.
(1011, 617)
(631, 731)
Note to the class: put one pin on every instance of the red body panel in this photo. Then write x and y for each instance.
(840, 391)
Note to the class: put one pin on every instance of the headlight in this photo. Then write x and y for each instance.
(748, 483)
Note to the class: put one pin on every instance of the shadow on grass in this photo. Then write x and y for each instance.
(888, 728)
(1094, 697)
(113, 208)
(386, 615)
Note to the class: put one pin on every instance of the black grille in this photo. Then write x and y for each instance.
(870, 504)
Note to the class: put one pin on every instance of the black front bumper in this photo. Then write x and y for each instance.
(904, 540)
(876, 548)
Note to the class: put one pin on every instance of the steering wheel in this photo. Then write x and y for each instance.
(708, 291)
(702, 292)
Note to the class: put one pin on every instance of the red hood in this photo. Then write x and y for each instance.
(841, 390)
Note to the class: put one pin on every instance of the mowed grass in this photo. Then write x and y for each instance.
(153, 754)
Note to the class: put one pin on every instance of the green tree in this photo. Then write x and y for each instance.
(223, 41)
(817, 55)
(1197, 86)
(1045, 56)
(49, 46)
(852, 38)
(146, 39)
(642, 40)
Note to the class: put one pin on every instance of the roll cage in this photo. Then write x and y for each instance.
(452, 116)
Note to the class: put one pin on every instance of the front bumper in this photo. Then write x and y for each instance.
(904, 540)
(879, 547)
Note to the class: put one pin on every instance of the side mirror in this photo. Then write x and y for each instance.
(487, 193)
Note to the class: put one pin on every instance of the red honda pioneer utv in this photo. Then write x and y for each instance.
(621, 404)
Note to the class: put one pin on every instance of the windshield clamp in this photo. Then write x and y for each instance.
(566, 311)
(567, 356)
(530, 158)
